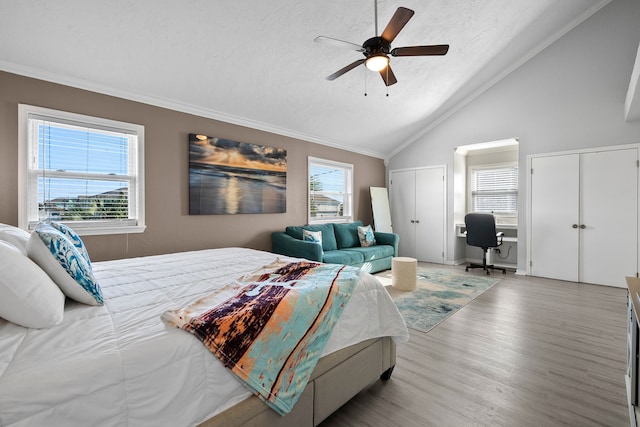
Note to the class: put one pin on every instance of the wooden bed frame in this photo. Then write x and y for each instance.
(336, 379)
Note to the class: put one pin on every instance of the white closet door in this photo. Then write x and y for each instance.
(430, 225)
(609, 200)
(554, 214)
(403, 209)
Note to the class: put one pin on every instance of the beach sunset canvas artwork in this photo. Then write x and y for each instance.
(231, 177)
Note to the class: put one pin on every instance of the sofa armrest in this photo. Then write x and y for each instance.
(284, 244)
(391, 239)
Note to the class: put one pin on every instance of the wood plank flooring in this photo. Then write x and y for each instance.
(527, 352)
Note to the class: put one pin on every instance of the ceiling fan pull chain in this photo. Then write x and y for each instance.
(365, 81)
(387, 80)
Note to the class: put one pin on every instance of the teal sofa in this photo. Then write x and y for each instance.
(340, 245)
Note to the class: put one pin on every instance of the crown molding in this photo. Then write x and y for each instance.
(40, 74)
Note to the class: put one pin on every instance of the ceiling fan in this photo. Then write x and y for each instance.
(376, 50)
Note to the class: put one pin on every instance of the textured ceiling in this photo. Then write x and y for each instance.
(255, 63)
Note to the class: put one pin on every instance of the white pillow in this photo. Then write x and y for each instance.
(28, 297)
(312, 236)
(14, 235)
(366, 237)
(64, 263)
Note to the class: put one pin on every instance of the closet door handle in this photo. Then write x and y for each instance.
(412, 221)
(417, 222)
(582, 226)
(574, 226)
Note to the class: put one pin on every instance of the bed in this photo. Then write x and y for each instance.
(118, 364)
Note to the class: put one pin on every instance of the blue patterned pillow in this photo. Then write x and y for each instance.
(64, 263)
(365, 234)
(312, 236)
(73, 236)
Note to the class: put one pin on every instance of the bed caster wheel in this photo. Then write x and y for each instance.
(466, 269)
(488, 272)
(387, 374)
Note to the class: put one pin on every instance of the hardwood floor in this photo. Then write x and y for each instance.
(527, 352)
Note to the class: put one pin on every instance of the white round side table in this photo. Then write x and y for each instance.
(404, 271)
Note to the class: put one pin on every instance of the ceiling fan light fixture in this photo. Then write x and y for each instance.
(377, 62)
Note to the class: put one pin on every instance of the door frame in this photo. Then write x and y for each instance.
(445, 233)
(568, 152)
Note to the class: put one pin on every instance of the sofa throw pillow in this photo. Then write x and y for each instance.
(64, 263)
(328, 236)
(365, 234)
(28, 297)
(312, 236)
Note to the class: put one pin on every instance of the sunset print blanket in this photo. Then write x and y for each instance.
(269, 327)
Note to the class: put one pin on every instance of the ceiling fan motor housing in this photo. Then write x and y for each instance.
(376, 46)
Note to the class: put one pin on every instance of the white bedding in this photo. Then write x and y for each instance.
(119, 365)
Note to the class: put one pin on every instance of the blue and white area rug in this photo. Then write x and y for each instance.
(439, 294)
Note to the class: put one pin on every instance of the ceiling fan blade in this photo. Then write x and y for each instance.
(440, 49)
(345, 69)
(388, 76)
(397, 23)
(339, 43)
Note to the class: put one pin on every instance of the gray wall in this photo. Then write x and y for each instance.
(170, 228)
(569, 96)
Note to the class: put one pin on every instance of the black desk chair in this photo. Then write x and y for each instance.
(481, 232)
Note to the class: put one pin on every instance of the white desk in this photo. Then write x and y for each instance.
(510, 231)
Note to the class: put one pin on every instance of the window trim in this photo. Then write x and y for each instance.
(25, 112)
(348, 204)
(503, 165)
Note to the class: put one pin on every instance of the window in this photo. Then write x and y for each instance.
(83, 171)
(494, 189)
(330, 191)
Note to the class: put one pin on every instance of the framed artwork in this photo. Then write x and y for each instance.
(231, 177)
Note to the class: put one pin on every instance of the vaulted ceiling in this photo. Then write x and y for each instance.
(255, 63)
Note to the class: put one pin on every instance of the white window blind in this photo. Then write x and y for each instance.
(495, 190)
(83, 171)
(330, 191)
